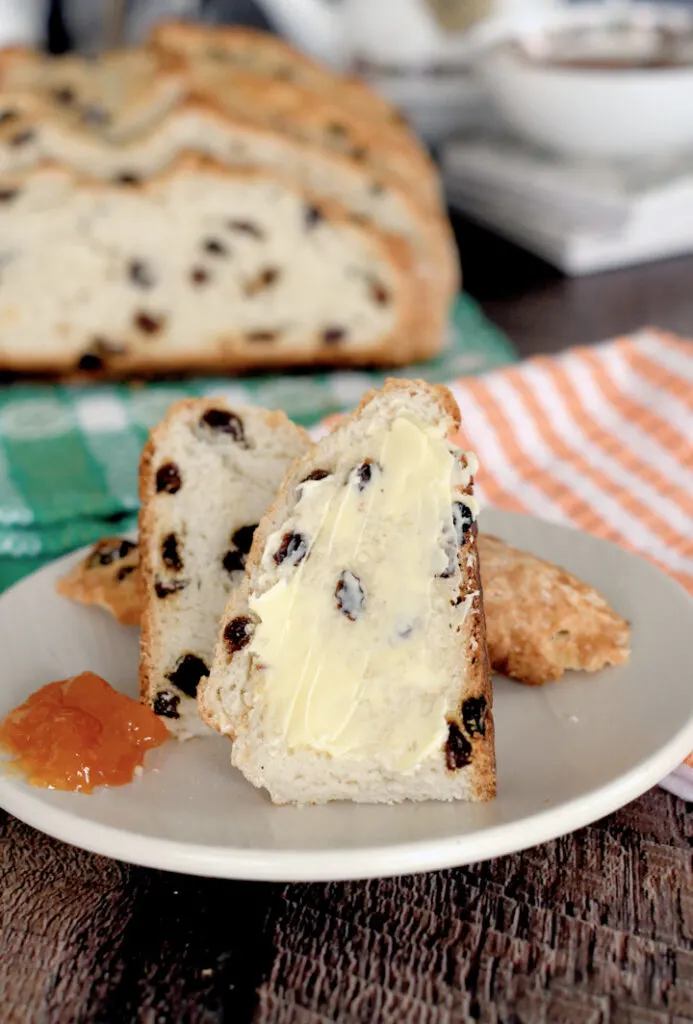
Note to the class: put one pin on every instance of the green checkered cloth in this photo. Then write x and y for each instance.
(69, 454)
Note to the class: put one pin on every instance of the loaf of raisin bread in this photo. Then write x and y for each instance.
(351, 662)
(120, 93)
(207, 474)
(200, 267)
(197, 126)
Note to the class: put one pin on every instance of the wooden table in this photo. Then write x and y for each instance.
(595, 928)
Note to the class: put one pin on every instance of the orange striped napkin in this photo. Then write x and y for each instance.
(600, 438)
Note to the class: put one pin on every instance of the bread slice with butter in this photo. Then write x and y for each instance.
(207, 474)
(351, 662)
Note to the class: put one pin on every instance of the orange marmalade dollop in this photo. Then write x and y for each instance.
(80, 733)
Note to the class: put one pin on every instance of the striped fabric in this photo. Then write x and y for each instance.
(600, 438)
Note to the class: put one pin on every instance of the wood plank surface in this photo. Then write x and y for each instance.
(595, 928)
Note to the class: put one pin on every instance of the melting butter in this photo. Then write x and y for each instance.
(366, 687)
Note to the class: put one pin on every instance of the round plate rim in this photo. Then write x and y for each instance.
(350, 864)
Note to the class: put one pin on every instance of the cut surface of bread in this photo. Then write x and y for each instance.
(542, 620)
(207, 474)
(351, 662)
(200, 267)
(109, 577)
(199, 127)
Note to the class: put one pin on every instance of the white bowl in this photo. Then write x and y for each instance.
(626, 113)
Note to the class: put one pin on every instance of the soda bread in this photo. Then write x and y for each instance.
(542, 620)
(109, 577)
(351, 662)
(199, 267)
(207, 474)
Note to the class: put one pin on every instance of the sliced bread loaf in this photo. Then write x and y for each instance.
(200, 267)
(207, 474)
(351, 662)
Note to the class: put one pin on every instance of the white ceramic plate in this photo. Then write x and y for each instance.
(568, 753)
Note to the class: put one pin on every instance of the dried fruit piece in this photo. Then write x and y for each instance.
(140, 274)
(7, 116)
(22, 138)
(169, 587)
(223, 422)
(317, 474)
(106, 552)
(125, 571)
(246, 227)
(262, 281)
(127, 178)
(474, 711)
(363, 474)
(148, 324)
(187, 674)
(90, 362)
(349, 595)
(332, 335)
(237, 633)
(458, 749)
(8, 194)
(64, 94)
(233, 561)
(262, 335)
(170, 554)
(198, 275)
(168, 478)
(214, 247)
(379, 293)
(243, 537)
(166, 705)
(312, 216)
(462, 519)
(294, 548)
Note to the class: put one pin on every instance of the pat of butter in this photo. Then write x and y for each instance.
(366, 687)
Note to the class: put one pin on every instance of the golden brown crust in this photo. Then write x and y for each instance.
(107, 579)
(543, 620)
(410, 339)
(318, 96)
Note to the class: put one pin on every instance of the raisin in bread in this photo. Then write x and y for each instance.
(112, 97)
(200, 267)
(207, 474)
(200, 127)
(351, 662)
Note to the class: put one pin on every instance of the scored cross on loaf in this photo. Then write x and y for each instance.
(351, 662)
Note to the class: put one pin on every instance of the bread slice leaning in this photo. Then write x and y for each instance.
(207, 474)
(351, 662)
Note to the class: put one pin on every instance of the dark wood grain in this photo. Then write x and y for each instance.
(543, 311)
(595, 928)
